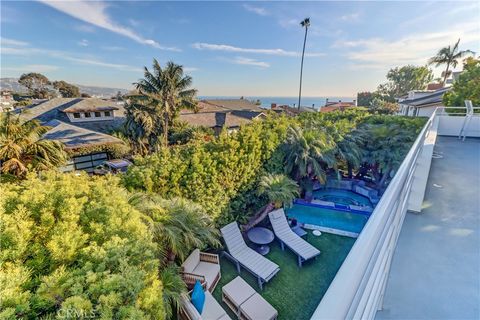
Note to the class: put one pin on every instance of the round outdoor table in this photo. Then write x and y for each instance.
(262, 237)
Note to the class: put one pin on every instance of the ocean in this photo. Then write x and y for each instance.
(266, 102)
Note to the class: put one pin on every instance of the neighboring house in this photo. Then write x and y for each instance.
(290, 111)
(219, 114)
(422, 103)
(82, 125)
(337, 105)
(6, 101)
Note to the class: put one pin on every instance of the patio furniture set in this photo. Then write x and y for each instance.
(203, 269)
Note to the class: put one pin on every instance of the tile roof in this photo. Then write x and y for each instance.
(233, 104)
(74, 137)
(230, 119)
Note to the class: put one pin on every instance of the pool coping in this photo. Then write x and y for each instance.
(331, 230)
(337, 207)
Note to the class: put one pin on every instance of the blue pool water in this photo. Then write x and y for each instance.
(341, 196)
(331, 218)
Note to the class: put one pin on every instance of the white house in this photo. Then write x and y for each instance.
(422, 103)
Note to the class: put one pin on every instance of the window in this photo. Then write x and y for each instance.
(97, 114)
(107, 114)
(76, 115)
(88, 114)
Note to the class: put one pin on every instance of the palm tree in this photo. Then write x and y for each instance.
(178, 225)
(308, 154)
(449, 56)
(279, 190)
(173, 289)
(166, 91)
(305, 23)
(22, 146)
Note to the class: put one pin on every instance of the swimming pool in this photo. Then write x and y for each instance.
(345, 197)
(329, 217)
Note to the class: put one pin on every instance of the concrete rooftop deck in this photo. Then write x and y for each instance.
(436, 265)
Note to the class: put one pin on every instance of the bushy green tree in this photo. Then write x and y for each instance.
(467, 87)
(37, 85)
(401, 80)
(66, 89)
(73, 246)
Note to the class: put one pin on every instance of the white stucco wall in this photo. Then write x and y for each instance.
(92, 118)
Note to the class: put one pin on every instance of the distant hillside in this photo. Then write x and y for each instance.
(13, 85)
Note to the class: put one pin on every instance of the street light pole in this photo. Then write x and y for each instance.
(305, 23)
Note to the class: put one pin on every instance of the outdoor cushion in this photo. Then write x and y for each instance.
(257, 307)
(191, 262)
(209, 270)
(212, 309)
(198, 297)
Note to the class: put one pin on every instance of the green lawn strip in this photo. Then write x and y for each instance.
(295, 292)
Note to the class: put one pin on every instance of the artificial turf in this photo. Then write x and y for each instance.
(295, 292)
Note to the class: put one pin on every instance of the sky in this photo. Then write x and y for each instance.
(232, 48)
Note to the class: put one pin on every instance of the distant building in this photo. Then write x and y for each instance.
(219, 114)
(337, 105)
(82, 125)
(422, 103)
(6, 101)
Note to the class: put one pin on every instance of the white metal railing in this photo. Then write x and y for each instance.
(357, 290)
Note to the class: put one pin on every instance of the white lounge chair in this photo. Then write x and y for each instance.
(241, 254)
(286, 236)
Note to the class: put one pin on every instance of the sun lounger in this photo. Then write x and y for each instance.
(246, 302)
(302, 248)
(241, 254)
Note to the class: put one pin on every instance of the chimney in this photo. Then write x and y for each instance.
(355, 103)
(273, 105)
(326, 101)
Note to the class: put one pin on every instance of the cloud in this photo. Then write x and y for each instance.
(11, 42)
(63, 55)
(257, 10)
(32, 68)
(85, 28)
(229, 48)
(83, 43)
(95, 14)
(249, 62)
(350, 17)
(412, 49)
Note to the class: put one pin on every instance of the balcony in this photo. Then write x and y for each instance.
(418, 256)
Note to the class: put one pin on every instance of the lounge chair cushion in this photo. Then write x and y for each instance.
(276, 214)
(212, 309)
(257, 263)
(209, 270)
(257, 307)
(198, 297)
(191, 262)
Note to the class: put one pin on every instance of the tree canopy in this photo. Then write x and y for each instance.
(73, 245)
(467, 86)
(66, 89)
(37, 84)
(401, 80)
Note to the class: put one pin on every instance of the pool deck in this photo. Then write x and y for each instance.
(436, 265)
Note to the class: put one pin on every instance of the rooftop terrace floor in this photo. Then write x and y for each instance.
(295, 292)
(436, 265)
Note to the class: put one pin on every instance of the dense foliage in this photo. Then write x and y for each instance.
(401, 80)
(22, 148)
(66, 89)
(223, 174)
(72, 246)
